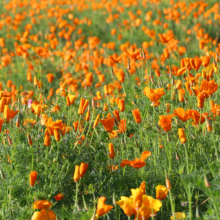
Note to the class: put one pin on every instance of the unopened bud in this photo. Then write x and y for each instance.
(128, 65)
(9, 140)
(30, 142)
(85, 204)
(2, 174)
(168, 184)
(113, 199)
(93, 103)
(207, 184)
(217, 57)
(18, 122)
(208, 124)
(143, 54)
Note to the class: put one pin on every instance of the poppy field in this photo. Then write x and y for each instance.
(109, 109)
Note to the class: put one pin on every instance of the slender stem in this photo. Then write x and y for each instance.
(76, 197)
(172, 205)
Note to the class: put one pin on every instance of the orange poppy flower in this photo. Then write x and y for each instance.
(59, 196)
(42, 204)
(209, 86)
(50, 77)
(166, 53)
(116, 114)
(83, 105)
(181, 71)
(120, 75)
(122, 126)
(182, 135)
(138, 162)
(76, 176)
(108, 124)
(127, 205)
(121, 105)
(113, 134)
(165, 122)
(56, 133)
(47, 141)
(44, 215)
(82, 169)
(111, 151)
(9, 114)
(1, 123)
(165, 38)
(70, 99)
(33, 177)
(154, 94)
(195, 116)
(137, 116)
(96, 121)
(87, 115)
(102, 208)
(161, 192)
(181, 114)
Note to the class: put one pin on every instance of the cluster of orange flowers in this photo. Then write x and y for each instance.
(92, 65)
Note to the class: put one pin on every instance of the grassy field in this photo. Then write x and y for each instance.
(109, 110)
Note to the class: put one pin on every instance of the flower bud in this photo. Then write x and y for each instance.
(207, 184)
(168, 184)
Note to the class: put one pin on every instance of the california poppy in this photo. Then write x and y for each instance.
(9, 114)
(161, 192)
(111, 150)
(47, 141)
(82, 169)
(95, 124)
(138, 162)
(182, 135)
(33, 177)
(59, 196)
(108, 124)
(76, 176)
(102, 208)
(165, 122)
(50, 77)
(137, 116)
(154, 94)
(121, 105)
(178, 215)
(116, 114)
(42, 204)
(44, 215)
(126, 204)
(122, 126)
(70, 99)
(137, 195)
(83, 105)
(181, 114)
(1, 123)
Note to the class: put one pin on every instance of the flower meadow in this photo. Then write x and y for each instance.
(109, 109)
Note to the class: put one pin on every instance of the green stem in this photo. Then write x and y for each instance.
(172, 205)
(76, 197)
